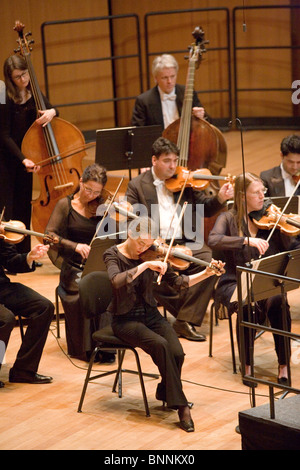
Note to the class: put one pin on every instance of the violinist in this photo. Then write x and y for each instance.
(282, 179)
(136, 319)
(18, 299)
(17, 115)
(149, 190)
(74, 222)
(240, 240)
(162, 104)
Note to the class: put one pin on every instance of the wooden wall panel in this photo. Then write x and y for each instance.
(94, 81)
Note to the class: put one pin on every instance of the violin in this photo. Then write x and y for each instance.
(180, 256)
(15, 231)
(289, 224)
(198, 179)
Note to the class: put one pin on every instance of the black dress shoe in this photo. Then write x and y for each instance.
(1, 384)
(283, 381)
(107, 358)
(187, 426)
(35, 379)
(187, 331)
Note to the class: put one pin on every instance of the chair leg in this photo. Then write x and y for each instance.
(21, 326)
(138, 364)
(211, 327)
(57, 312)
(87, 378)
(118, 377)
(232, 344)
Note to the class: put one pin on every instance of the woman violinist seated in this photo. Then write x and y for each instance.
(136, 319)
(74, 222)
(239, 238)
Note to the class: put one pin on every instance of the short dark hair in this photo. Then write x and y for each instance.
(95, 172)
(290, 144)
(164, 146)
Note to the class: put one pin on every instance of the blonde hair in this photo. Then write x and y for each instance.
(241, 185)
(164, 61)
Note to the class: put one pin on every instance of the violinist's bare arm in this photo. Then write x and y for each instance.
(215, 268)
(158, 266)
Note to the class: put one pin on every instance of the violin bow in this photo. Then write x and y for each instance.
(178, 202)
(283, 210)
(2, 214)
(172, 241)
(104, 215)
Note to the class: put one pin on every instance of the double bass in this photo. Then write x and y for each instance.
(58, 148)
(201, 144)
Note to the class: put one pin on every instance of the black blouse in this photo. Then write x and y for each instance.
(128, 292)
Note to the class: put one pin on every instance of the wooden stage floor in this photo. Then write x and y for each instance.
(44, 417)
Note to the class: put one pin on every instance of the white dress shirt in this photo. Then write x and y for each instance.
(166, 209)
(289, 183)
(169, 107)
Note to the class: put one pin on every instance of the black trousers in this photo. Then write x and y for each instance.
(270, 309)
(156, 337)
(17, 299)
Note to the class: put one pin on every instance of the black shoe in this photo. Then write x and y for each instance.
(107, 358)
(187, 426)
(187, 331)
(249, 384)
(283, 381)
(1, 384)
(38, 264)
(35, 379)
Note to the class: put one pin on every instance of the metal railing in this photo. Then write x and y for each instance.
(112, 58)
(258, 122)
(242, 324)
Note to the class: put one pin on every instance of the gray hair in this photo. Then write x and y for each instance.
(164, 61)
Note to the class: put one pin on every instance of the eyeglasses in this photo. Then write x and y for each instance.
(259, 192)
(90, 191)
(18, 77)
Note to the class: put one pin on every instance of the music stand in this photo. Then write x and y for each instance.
(95, 261)
(271, 276)
(293, 207)
(125, 148)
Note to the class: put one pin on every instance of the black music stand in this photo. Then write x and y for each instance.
(125, 148)
(293, 207)
(271, 276)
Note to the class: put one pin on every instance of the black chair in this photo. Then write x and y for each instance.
(59, 293)
(21, 326)
(214, 315)
(104, 338)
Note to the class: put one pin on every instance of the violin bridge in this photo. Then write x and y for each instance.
(62, 186)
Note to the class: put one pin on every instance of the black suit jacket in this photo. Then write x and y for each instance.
(273, 181)
(141, 190)
(13, 261)
(148, 110)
